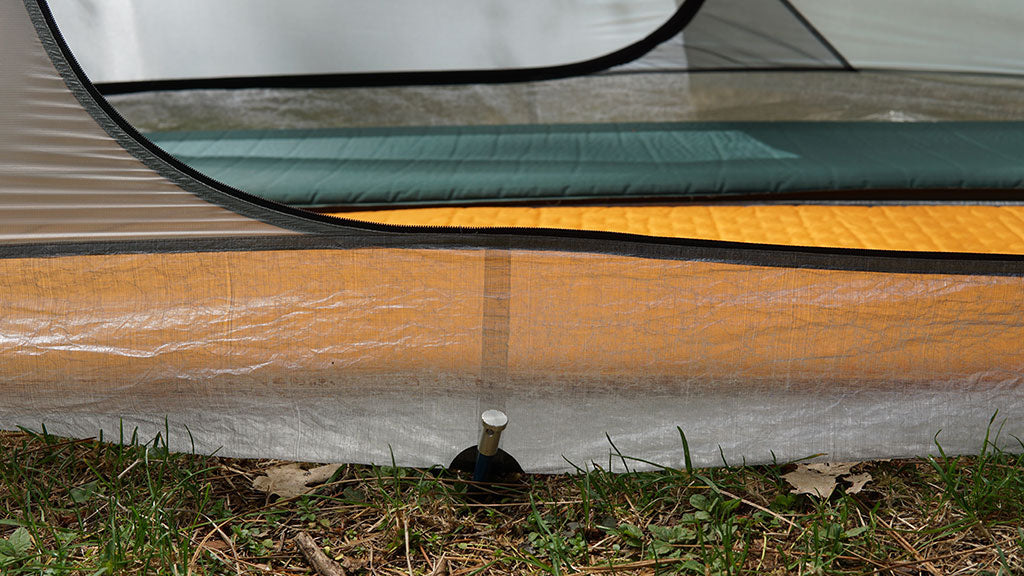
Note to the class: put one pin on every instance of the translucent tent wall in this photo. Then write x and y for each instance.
(144, 284)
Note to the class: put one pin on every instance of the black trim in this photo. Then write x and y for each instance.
(666, 31)
(915, 73)
(553, 240)
(818, 35)
(724, 69)
(842, 197)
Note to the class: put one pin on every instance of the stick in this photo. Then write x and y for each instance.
(758, 507)
(323, 565)
(440, 567)
(913, 552)
(408, 557)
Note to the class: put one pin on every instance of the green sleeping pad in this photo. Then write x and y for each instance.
(601, 162)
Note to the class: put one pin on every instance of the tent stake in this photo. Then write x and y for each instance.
(494, 421)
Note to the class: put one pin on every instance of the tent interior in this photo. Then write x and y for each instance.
(772, 122)
(791, 227)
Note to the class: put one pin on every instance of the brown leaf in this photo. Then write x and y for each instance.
(215, 545)
(291, 480)
(809, 481)
(857, 482)
(819, 479)
(834, 469)
(351, 564)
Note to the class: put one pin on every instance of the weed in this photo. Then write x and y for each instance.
(989, 491)
(134, 507)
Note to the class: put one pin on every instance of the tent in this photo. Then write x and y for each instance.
(574, 212)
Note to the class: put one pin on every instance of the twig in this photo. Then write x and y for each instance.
(408, 556)
(758, 507)
(129, 469)
(630, 565)
(440, 567)
(323, 565)
(426, 558)
(202, 543)
(958, 554)
(914, 552)
(513, 504)
(231, 544)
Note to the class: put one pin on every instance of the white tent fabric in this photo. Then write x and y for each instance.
(200, 38)
(130, 41)
(363, 345)
(935, 35)
(62, 176)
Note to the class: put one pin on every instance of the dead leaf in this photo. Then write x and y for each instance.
(351, 564)
(835, 469)
(215, 545)
(820, 479)
(857, 482)
(807, 481)
(290, 480)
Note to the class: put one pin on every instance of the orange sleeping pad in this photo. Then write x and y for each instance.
(929, 228)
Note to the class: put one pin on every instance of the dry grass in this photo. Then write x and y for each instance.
(85, 507)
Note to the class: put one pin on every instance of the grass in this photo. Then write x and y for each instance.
(132, 507)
